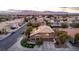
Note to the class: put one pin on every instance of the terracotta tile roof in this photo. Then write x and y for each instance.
(42, 29)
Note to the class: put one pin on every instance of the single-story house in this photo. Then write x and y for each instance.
(15, 23)
(41, 21)
(55, 23)
(44, 32)
(8, 24)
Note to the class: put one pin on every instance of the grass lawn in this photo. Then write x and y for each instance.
(27, 45)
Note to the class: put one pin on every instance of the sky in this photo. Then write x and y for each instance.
(39, 5)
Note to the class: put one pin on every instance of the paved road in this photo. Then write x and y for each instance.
(10, 40)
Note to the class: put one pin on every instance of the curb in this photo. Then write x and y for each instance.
(13, 32)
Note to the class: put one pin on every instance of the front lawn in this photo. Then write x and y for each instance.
(27, 45)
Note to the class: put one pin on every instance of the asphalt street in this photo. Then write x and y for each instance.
(11, 39)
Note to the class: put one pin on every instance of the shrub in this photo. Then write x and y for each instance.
(28, 30)
(0, 32)
(39, 41)
(47, 22)
(64, 25)
(24, 43)
(36, 24)
(29, 24)
(62, 36)
(76, 39)
(26, 19)
(75, 25)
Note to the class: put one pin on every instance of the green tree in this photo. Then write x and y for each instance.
(39, 41)
(0, 20)
(62, 36)
(64, 25)
(26, 19)
(35, 19)
(76, 39)
(29, 24)
(47, 22)
(75, 25)
(28, 31)
(24, 41)
(36, 24)
(7, 19)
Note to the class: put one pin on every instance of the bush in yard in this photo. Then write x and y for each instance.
(28, 30)
(29, 24)
(39, 41)
(0, 32)
(74, 25)
(64, 25)
(36, 24)
(25, 19)
(62, 36)
(25, 43)
(76, 39)
(47, 22)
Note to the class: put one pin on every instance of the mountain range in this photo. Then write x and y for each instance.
(31, 12)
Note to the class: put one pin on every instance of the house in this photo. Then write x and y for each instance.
(15, 23)
(44, 32)
(55, 23)
(2, 26)
(41, 20)
(8, 24)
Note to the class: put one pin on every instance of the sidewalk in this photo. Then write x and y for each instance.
(4, 36)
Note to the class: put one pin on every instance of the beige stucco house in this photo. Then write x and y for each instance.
(8, 24)
(44, 32)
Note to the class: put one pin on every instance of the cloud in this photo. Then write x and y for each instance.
(70, 9)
